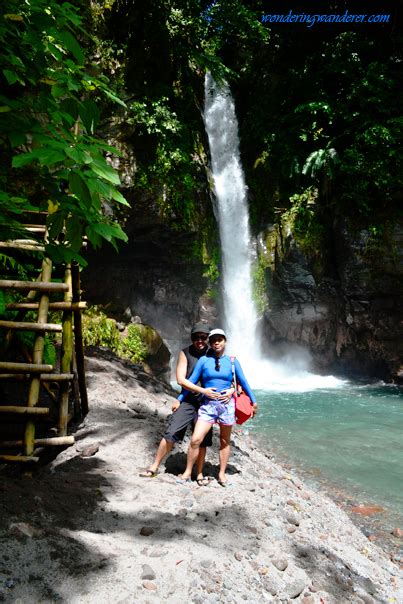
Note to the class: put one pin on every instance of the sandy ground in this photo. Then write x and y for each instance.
(87, 529)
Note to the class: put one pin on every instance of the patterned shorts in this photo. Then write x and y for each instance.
(215, 412)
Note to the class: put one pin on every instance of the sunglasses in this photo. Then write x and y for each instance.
(198, 336)
(217, 364)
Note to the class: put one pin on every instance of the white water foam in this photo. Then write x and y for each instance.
(233, 218)
(232, 213)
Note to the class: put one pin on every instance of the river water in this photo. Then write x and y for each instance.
(347, 440)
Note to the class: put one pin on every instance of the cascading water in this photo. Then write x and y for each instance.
(233, 219)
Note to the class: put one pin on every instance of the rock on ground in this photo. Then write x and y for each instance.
(87, 529)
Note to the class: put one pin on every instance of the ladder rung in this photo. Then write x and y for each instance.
(57, 377)
(34, 285)
(22, 458)
(44, 377)
(52, 441)
(19, 245)
(26, 326)
(52, 305)
(35, 228)
(24, 410)
(9, 367)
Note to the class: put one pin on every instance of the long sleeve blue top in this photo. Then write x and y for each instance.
(206, 372)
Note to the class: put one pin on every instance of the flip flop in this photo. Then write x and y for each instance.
(183, 480)
(222, 483)
(203, 482)
(148, 474)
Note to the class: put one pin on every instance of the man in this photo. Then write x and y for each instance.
(185, 413)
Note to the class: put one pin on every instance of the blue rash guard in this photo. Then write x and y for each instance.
(205, 372)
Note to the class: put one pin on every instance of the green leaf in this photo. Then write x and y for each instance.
(110, 231)
(72, 45)
(79, 156)
(55, 223)
(23, 159)
(90, 115)
(74, 233)
(16, 138)
(46, 156)
(2, 302)
(78, 186)
(117, 196)
(101, 187)
(10, 76)
(70, 106)
(114, 98)
(101, 168)
(60, 254)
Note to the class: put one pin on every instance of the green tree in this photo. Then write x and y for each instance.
(49, 112)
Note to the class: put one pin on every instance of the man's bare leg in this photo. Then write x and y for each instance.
(164, 448)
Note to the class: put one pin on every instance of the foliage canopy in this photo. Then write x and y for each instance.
(49, 112)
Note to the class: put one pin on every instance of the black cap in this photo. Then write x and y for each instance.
(200, 328)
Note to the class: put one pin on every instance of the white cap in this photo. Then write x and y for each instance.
(217, 332)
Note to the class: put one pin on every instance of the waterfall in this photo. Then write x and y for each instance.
(231, 209)
(232, 214)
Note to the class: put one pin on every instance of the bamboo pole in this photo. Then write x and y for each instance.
(20, 315)
(34, 387)
(52, 305)
(25, 367)
(78, 340)
(17, 245)
(24, 410)
(67, 354)
(22, 458)
(42, 286)
(44, 377)
(27, 326)
(53, 441)
(35, 228)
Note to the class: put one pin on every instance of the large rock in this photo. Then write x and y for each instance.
(344, 305)
(155, 279)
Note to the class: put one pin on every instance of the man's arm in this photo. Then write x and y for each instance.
(181, 368)
(191, 382)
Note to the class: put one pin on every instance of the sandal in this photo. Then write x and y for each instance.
(148, 474)
(203, 482)
(183, 480)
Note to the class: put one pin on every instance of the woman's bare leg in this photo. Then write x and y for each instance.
(225, 450)
(200, 431)
(201, 458)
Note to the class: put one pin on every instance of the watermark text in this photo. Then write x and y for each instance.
(311, 20)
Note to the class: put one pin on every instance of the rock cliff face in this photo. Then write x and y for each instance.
(155, 279)
(347, 311)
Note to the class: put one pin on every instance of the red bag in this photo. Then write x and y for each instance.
(243, 408)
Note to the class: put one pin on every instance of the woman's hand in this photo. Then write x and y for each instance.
(254, 410)
(226, 395)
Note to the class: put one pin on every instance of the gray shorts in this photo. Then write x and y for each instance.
(179, 422)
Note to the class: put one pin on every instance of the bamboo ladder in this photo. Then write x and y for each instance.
(35, 371)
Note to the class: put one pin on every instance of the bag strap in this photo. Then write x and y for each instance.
(234, 375)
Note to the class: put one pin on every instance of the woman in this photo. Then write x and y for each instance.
(215, 373)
